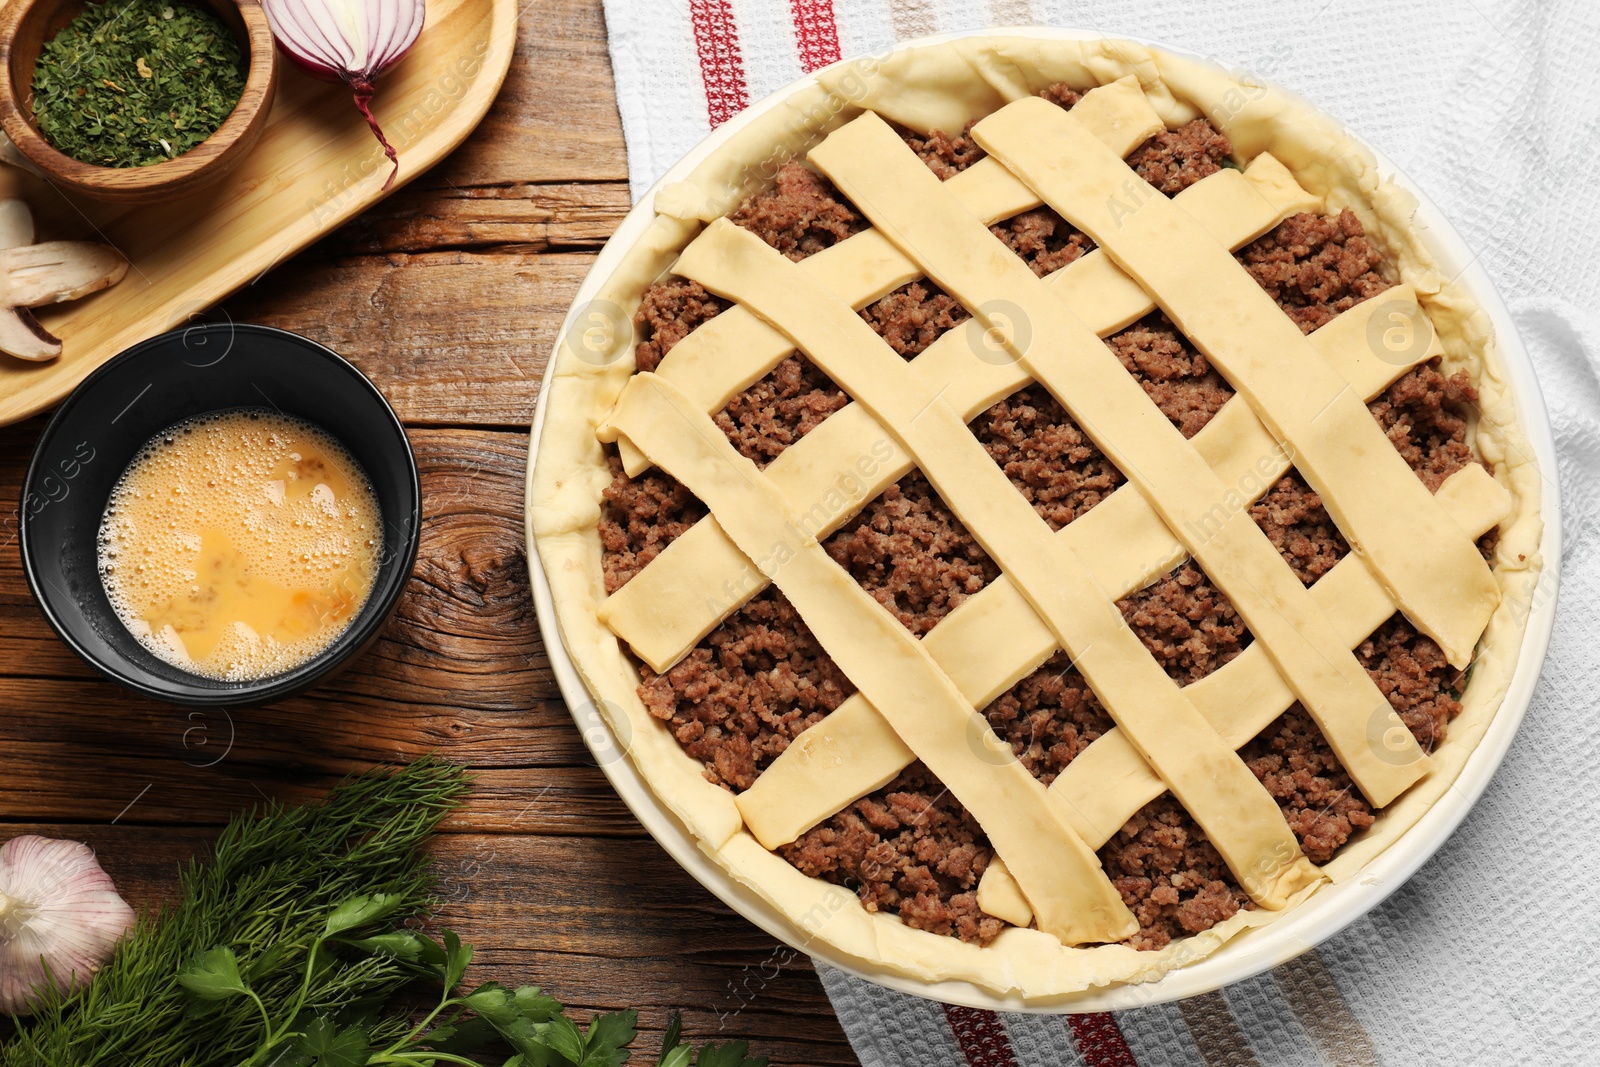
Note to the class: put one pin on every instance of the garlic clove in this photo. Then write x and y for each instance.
(59, 914)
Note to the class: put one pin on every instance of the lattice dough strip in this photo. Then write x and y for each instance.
(701, 578)
(1203, 772)
(1069, 893)
(731, 352)
(993, 639)
(1386, 514)
(889, 185)
(1108, 782)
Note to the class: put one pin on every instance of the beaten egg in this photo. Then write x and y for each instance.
(238, 545)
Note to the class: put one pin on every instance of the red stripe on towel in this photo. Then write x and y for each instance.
(1100, 1040)
(816, 34)
(716, 41)
(982, 1038)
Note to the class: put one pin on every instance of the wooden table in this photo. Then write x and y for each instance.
(448, 296)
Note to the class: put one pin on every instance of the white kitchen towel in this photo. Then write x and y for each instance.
(1491, 954)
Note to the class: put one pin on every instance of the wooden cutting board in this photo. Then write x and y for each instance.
(316, 166)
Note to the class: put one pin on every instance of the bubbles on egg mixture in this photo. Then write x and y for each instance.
(238, 545)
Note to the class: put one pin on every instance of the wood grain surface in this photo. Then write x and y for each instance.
(448, 296)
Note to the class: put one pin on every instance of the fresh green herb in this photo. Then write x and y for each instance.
(674, 1053)
(134, 82)
(273, 881)
(528, 1020)
(289, 947)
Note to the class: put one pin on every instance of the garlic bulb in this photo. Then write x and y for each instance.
(59, 910)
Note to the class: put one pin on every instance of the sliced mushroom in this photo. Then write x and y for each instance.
(23, 337)
(20, 333)
(16, 224)
(33, 274)
(54, 271)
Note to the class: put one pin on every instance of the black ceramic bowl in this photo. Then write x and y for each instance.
(98, 429)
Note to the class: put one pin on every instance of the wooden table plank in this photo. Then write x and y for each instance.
(520, 217)
(452, 338)
(556, 117)
(448, 295)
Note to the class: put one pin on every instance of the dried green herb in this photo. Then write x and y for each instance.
(129, 83)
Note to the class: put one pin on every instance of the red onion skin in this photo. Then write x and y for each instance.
(316, 70)
(323, 73)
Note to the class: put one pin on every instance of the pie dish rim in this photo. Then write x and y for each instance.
(1334, 906)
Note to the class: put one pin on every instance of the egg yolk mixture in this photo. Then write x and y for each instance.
(238, 545)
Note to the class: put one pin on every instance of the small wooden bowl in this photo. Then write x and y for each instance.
(25, 27)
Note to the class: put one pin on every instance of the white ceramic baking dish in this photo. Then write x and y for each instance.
(1331, 908)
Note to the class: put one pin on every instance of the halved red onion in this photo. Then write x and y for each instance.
(352, 41)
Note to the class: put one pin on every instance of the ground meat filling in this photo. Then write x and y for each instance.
(801, 215)
(780, 409)
(1299, 769)
(638, 518)
(670, 310)
(1315, 266)
(1173, 879)
(912, 554)
(1043, 240)
(918, 313)
(1166, 870)
(1173, 160)
(1169, 875)
(1052, 715)
(946, 156)
(1175, 374)
(910, 848)
(1424, 415)
(1049, 717)
(1052, 463)
(1412, 672)
(1187, 623)
(1161, 862)
(1294, 520)
(760, 678)
(747, 690)
(914, 316)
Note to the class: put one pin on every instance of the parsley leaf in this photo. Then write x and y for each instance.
(213, 975)
(606, 1043)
